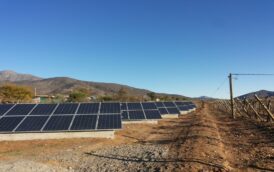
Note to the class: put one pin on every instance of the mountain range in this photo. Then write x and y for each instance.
(261, 93)
(64, 85)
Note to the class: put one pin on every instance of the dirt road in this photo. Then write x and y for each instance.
(206, 140)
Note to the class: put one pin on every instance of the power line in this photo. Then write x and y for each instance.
(255, 74)
(218, 88)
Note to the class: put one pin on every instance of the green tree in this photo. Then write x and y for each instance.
(151, 95)
(15, 94)
(77, 96)
(122, 94)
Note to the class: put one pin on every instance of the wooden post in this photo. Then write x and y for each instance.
(265, 108)
(231, 95)
(243, 106)
(257, 114)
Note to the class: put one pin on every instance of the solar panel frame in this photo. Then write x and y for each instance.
(137, 115)
(125, 115)
(149, 105)
(169, 104)
(134, 106)
(109, 122)
(160, 104)
(32, 124)
(179, 103)
(21, 110)
(5, 108)
(66, 109)
(58, 123)
(88, 108)
(163, 111)
(84, 122)
(152, 114)
(173, 110)
(7, 124)
(43, 109)
(123, 106)
(110, 108)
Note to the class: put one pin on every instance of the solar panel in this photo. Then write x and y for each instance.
(68, 108)
(163, 111)
(5, 108)
(88, 108)
(183, 108)
(32, 123)
(149, 105)
(179, 103)
(7, 124)
(21, 109)
(153, 114)
(173, 111)
(169, 104)
(123, 106)
(112, 121)
(43, 109)
(134, 106)
(56, 123)
(160, 104)
(110, 108)
(125, 115)
(84, 122)
(136, 115)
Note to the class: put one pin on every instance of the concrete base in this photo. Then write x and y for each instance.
(184, 112)
(64, 135)
(141, 122)
(170, 116)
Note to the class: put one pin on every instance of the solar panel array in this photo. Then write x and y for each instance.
(140, 111)
(82, 116)
(59, 117)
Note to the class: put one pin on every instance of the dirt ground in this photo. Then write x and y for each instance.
(205, 140)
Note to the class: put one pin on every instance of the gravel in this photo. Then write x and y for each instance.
(28, 166)
(126, 158)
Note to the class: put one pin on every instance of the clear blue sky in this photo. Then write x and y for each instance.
(176, 46)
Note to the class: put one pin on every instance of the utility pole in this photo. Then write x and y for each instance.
(231, 95)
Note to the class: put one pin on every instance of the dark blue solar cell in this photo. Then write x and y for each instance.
(123, 106)
(169, 104)
(88, 108)
(4, 108)
(84, 122)
(136, 115)
(173, 111)
(32, 123)
(21, 109)
(163, 111)
(159, 104)
(110, 108)
(56, 123)
(68, 108)
(184, 108)
(153, 114)
(43, 109)
(7, 124)
(149, 106)
(134, 106)
(112, 121)
(124, 115)
(180, 103)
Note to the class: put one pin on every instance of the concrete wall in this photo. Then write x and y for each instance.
(141, 122)
(63, 135)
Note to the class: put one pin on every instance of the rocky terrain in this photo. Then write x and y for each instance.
(206, 140)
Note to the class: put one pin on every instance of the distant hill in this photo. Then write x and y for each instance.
(204, 98)
(64, 85)
(11, 76)
(261, 93)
